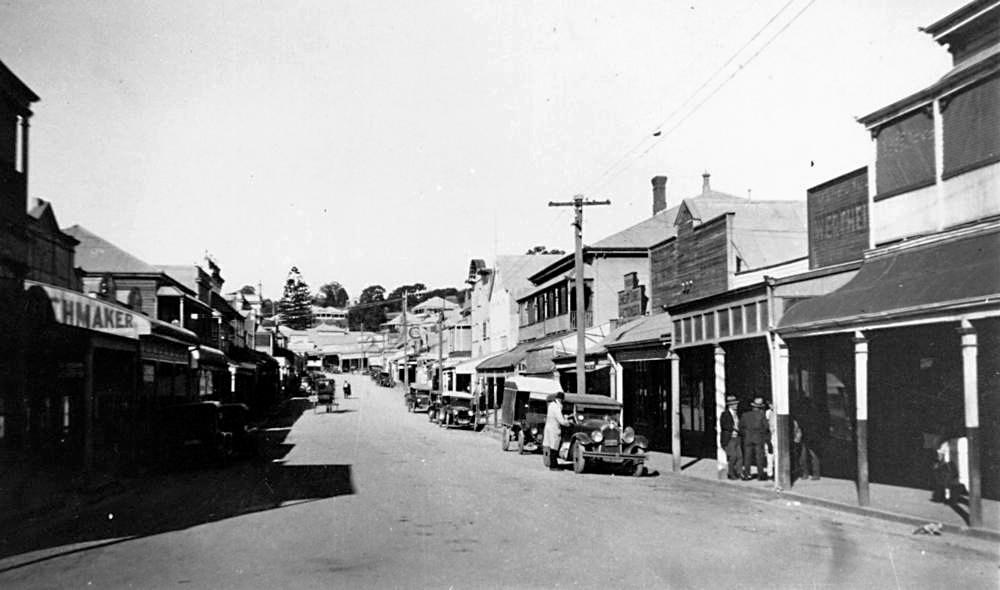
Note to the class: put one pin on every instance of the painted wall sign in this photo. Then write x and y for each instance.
(80, 311)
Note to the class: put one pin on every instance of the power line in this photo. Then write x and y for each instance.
(625, 162)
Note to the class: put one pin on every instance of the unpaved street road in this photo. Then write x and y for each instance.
(374, 497)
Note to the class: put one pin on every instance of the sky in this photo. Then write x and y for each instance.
(372, 142)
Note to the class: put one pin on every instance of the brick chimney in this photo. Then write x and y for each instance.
(706, 186)
(659, 194)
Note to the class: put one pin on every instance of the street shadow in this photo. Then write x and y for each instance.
(691, 463)
(162, 502)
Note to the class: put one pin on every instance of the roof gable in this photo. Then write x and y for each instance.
(95, 254)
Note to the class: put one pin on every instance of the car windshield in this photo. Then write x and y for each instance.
(604, 414)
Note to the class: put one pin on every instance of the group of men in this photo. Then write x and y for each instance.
(746, 438)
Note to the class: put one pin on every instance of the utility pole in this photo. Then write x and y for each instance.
(406, 345)
(441, 353)
(578, 203)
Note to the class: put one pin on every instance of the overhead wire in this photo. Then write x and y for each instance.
(659, 133)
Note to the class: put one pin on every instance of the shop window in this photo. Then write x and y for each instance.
(698, 335)
(687, 330)
(710, 326)
(678, 333)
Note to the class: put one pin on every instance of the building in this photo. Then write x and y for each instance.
(15, 112)
(904, 356)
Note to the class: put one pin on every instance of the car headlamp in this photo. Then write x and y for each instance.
(597, 436)
(534, 430)
(628, 437)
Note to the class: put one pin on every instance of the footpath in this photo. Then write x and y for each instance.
(909, 506)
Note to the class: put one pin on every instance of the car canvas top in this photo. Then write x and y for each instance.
(534, 384)
(592, 400)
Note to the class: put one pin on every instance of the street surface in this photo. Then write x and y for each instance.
(375, 497)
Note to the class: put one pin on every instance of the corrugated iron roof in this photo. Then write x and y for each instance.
(95, 254)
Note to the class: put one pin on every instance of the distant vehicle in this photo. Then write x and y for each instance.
(523, 411)
(195, 433)
(459, 410)
(595, 435)
(326, 388)
(418, 399)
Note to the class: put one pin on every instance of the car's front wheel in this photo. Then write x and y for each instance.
(579, 461)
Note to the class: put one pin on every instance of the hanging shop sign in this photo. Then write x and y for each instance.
(80, 311)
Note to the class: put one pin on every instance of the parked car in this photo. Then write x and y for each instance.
(595, 435)
(459, 410)
(418, 399)
(523, 410)
(194, 433)
(236, 420)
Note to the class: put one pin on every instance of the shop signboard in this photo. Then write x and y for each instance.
(75, 309)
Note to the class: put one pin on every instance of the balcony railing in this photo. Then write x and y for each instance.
(553, 325)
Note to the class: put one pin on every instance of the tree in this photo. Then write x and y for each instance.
(372, 294)
(296, 303)
(331, 295)
(248, 290)
(543, 250)
(369, 313)
(397, 293)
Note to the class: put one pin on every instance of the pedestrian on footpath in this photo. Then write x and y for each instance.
(729, 438)
(756, 433)
(552, 435)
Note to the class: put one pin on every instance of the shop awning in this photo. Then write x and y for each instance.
(507, 361)
(644, 339)
(206, 356)
(956, 276)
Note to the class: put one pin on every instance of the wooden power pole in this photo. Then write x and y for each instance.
(406, 345)
(578, 203)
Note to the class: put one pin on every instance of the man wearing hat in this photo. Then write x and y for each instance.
(756, 433)
(729, 438)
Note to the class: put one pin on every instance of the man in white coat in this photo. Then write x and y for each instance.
(551, 436)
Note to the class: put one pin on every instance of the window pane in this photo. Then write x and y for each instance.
(678, 335)
(751, 316)
(905, 153)
(763, 315)
(710, 325)
(687, 330)
(723, 323)
(737, 320)
(697, 327)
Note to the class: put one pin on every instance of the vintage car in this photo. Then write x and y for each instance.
(236, 420)
(595, 435)
(384, 378)
(523, 410)
(419, 397)
(194, 433)
(459, 410)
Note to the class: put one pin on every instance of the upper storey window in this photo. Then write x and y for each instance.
(905, 154)
(971, 127)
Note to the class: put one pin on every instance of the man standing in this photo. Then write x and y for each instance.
(756, 433)
(551, 436)
(729, 438)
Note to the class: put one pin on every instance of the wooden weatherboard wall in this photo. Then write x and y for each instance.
(838, 219)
